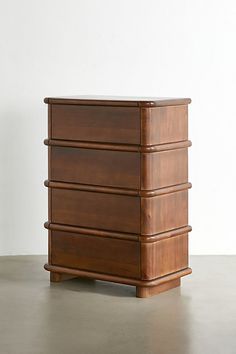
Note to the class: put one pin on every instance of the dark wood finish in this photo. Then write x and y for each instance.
(164, 257)
(120, 235)
(163, 169)
(96, 167)
(118, 147)
(164, 235)
(118, 169)
(147, 291)
(118, 101)
(49, 191)
(91, 123)
(164, 212)
(161, 125)
(116, 278)
(118, 190)
(96, 210)
(98, 254)
(93, 232)
(92, 188)
(120, 213)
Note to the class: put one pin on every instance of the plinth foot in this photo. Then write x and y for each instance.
(57, 277)
(147, 291)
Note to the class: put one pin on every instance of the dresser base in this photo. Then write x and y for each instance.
(147, 291)
(144, 288)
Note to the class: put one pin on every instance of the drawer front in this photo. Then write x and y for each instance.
(95, 253)
(96, 123)
(96, 210)
(164, 212)
(164, 257)
(165, 168)
(96, 167)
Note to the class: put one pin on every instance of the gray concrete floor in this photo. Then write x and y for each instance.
(86, 317)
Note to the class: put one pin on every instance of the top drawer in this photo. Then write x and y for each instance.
(96, 123)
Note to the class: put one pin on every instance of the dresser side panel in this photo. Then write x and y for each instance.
(164, 168)
(164, 257)
(161, 125)
(164, 212)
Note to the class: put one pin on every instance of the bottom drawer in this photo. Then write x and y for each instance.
(95, 253)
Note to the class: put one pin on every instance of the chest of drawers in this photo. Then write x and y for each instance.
(118, 190)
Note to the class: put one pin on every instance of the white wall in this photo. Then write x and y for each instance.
(157, 48)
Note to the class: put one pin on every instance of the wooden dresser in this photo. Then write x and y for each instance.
(118, 190)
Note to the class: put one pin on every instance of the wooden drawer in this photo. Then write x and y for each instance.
(96, 123)
(96, 167)
(96, 210)
(164, 257)
(99, 254)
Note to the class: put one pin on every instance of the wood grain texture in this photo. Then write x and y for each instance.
(91, 232)
(165, 235)
(118, 190)
(96, 210)
(49, 177)
(162, 125)
(147, 291)
(114, 101)
(119, 235)
(89, 123)
(96, 167)
(163, 169)
(164, 212)
(103, 255)
(164, 257)
(117, 147)
(117, 278)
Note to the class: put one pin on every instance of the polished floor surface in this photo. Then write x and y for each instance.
(86, 317)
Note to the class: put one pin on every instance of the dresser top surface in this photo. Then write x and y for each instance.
(125, 101)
